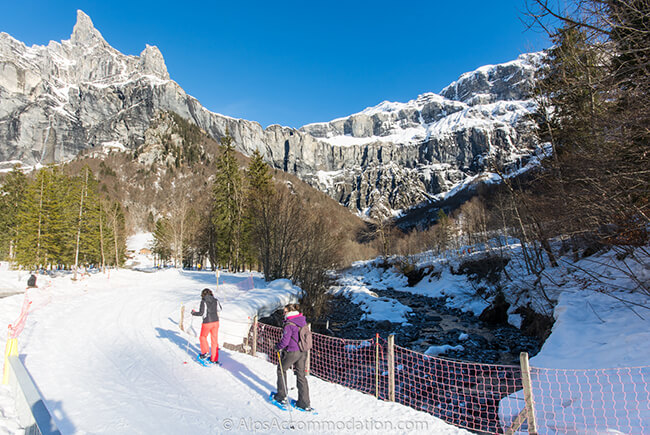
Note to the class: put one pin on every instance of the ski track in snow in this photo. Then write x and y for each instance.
(108, 357)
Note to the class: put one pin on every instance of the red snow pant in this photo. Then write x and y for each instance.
(211, 328)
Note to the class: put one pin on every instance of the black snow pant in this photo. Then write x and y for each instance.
(297, 360)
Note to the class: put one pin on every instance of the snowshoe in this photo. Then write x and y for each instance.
(284, 405)
(203, 360)
(309, 409)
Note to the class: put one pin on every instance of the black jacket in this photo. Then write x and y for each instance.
(209, 309)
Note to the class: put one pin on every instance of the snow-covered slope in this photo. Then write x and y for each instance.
(596, 322)
(591, 375)
(108, 356)
(128, 368)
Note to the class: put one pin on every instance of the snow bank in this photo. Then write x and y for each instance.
(591, 372)
(374, 307)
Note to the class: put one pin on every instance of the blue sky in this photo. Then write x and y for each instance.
(296, 62)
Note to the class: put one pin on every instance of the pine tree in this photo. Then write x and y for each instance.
(58, 224)
(228, 216)
(102, 236)
(12, 193)
(42, 230)
(90, 243)
(86, 224)
(569, 101)
(259, 177)
(30, 226)
(260, 193)
(594, 87)
(628, 119)
(162, 240)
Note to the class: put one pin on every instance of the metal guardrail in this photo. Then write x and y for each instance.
(30, 407)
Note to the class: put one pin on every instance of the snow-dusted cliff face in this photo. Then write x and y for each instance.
(425, 147)
(60, 99)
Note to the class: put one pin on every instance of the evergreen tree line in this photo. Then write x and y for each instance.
(53, 220)
(250, 221)
(594, 111)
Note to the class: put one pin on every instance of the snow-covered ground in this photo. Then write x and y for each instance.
(107, 354)
(600, 323)
(355, 285)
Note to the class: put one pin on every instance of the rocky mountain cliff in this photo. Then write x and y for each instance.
(81, 93)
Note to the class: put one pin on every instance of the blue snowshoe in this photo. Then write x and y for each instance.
(204, 360)
(309, 409)
(284, 405)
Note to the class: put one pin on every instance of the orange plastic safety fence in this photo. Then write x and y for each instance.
(17, 327)
(484, 398)
(613, 400)
(462, 393)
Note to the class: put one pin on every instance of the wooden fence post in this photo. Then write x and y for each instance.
(528, 413)
(528, 393)
(182, 318)
(377, 366)
(391, 367)
(254, 343)
(308, 361)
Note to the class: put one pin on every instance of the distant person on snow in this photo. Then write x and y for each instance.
(210, 311)
(291, 355)
(31, 281)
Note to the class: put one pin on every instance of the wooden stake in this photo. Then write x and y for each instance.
(377, 366)
(391, 367)
(528, 393)
(254, 343)
(516, 424)
(182, 318)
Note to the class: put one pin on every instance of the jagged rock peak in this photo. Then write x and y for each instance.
(79, 94)
(508, 81)
(152, 62)
(84, 32)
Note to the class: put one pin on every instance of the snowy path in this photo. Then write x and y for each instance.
(108, 357)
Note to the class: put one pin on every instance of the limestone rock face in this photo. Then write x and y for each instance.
(491, 83)
(81, 93)
(431, 145)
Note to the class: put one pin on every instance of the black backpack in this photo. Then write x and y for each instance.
(305, 341)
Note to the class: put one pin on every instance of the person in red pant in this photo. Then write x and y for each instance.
(209, 309)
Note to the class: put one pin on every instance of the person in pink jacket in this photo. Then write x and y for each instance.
(291, 355)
